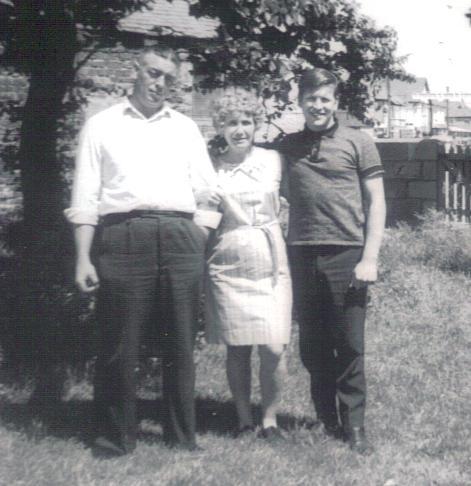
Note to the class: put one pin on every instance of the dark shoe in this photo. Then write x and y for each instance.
(105, 449)
(272, 434)
(244, 431)
(185, 446)
(192, 448)
(358, 442)
(335, 431)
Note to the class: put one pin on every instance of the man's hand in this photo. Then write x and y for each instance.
(86, 277)
(366, 272)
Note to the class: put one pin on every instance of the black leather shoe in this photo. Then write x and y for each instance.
(185, 446)
(244, 431)
(335, 431)
(272, 434)
(358, 442)
(105, 449)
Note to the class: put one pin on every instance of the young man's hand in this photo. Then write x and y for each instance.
(366, 272)
(86, 277)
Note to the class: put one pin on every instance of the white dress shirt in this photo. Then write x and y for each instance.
(126, 161)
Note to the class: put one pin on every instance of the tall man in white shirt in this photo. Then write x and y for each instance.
(140, 168)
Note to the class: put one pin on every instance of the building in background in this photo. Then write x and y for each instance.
(409, 110)
(398, 113)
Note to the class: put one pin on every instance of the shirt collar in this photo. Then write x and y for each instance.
(329, 132)
(130, 109)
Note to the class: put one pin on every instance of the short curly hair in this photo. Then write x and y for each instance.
(236, 101)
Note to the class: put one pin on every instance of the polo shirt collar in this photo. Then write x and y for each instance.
(329, 132)
(130, 109)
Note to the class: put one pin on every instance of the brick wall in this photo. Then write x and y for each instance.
(108, 68)
(411, 177)
(113, 68)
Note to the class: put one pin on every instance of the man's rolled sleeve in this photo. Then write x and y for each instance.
(87, 180)
(203, 180)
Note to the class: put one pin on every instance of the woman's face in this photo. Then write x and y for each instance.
(239, 131)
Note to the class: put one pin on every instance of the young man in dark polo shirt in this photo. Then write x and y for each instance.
(337, 217)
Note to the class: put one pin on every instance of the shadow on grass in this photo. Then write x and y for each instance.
(74, 419)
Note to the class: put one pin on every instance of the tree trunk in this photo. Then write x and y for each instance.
(53, 50)
(43, 242)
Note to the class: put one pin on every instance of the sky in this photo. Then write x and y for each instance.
(436, 36)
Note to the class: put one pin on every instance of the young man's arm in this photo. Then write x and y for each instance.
(366, 270)
(86, 277)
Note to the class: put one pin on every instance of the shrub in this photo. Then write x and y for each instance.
(434, 242)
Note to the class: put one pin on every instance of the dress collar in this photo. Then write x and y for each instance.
(251, 165)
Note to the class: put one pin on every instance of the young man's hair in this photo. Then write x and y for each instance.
(161, 51)
(313, 79)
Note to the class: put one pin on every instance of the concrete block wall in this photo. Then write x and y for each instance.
(411, 172)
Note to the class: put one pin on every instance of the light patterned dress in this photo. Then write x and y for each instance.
(248, 287)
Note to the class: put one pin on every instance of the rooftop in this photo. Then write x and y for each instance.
(458, 110)
(169, 18)
(401, 91)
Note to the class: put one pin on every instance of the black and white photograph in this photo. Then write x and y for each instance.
(235, 243)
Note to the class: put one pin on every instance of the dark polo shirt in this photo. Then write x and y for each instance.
(325, 171)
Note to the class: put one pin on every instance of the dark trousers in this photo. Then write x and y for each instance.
(331, 316)
(150, 270)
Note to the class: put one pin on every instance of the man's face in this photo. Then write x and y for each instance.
(155, 77)
(319, 106)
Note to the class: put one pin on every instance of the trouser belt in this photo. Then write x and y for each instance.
(114, 218)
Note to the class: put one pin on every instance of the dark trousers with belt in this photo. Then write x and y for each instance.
(150, 267)
(331, 316)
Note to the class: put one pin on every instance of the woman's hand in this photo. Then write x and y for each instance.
(209, 198)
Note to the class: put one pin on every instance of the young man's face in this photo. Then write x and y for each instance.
(319, 106)
(155, 77)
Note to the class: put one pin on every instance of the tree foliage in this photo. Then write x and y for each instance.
(265, 43)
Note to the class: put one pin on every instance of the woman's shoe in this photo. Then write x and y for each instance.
(272, 434)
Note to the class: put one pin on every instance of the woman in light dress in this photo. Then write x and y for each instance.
(248, 287)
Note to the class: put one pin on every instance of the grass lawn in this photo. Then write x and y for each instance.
(419, 404)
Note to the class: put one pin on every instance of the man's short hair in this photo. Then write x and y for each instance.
(161, 51)
(313, 79)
